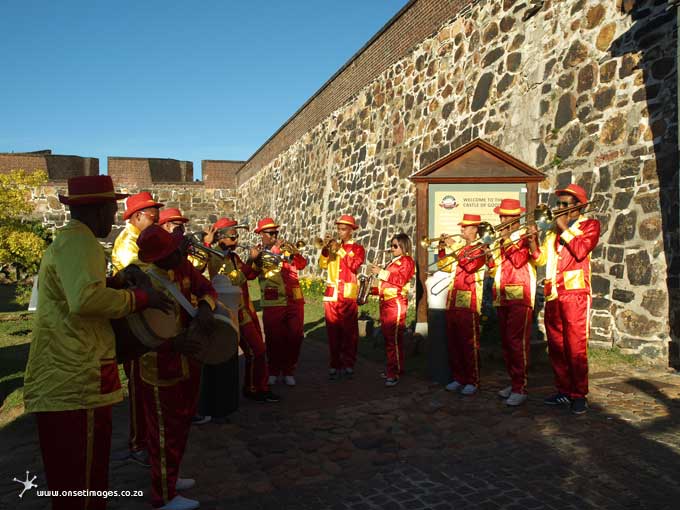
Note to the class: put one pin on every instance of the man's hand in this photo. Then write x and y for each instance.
(562, 222)
(209, 236)
(158, 300)
(333, 246)
(373, 269)
(254, 252)
(135, 277)
(205, 319)
(533, 237)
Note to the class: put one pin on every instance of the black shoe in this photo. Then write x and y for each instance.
(271, 397)
(558, 399)
(579, 406)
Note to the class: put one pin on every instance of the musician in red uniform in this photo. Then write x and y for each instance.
(141, 211)
(71, 379)
(169, 378)
(393, 284)
(342, 260)
(171, 219)
(566, 252)
(464, 304)
(283, 305)
(256, 377)
(514, 289)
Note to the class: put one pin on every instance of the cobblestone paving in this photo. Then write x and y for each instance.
(354, 444)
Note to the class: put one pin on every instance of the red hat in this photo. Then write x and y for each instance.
(224, 223)
(470, 219)
(138, 202)
(156, 243)
(576, 191)
(171, 214)
(346, 219)
(266, 224)
(509, 207)
(90, 189)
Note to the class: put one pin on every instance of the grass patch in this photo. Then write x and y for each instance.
(8, 299)
(603, 358)
(15, 338)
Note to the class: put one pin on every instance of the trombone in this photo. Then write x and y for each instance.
(485, 233)
(426, 242)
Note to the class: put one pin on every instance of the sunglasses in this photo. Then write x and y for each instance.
(233, 238)
(565, 204)
(395, 246)
(273, 234)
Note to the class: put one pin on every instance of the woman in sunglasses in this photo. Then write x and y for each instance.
(393, 284)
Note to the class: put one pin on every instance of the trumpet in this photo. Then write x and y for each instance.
(196, 248)
(291, 248)
(485, 232)
(425, 241)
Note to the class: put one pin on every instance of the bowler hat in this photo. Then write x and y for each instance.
(90, 189)
(137, 202)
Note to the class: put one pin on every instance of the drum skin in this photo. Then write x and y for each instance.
(222, 344)
(141, 332)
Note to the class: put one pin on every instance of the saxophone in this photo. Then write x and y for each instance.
(366, 282)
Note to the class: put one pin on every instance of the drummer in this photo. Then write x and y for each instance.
(141, 211)
(169, 379)
(255, 379)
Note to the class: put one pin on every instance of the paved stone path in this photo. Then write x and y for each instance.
(354, 444)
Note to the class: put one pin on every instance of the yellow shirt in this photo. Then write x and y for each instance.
(72, 358)
(125, 249)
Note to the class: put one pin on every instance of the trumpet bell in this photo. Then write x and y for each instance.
(425, 242)
(486, 233)
(318, 243)
(543, 217)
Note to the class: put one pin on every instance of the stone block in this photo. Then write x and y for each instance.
(639, 268)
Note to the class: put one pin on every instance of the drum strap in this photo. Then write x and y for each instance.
(172, 288)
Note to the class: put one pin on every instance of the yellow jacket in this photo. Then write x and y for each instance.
(72, 358)
(125, 249)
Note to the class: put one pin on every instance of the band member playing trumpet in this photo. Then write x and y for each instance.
(171, 220)
(514, 290)
(282, 301)
(141, 211)
(256, 377)
(342, 260)
(393, 285)
(566, 252)
(71, 379)
(464, 304)
(170, 379)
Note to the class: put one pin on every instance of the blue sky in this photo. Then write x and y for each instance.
(184, 80)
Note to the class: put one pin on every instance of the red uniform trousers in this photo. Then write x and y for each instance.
(284, 331)
(255, 379)
(75, 449)
(392, 324)
(342, 327)
(137, 438)
(168, 415)
(463, 340)
(567, 323)
(515, 325)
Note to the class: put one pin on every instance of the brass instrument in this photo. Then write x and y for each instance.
(196, 248)
(425, 241)
(366, 282)
(291, 248)
(485, 233)
(544, 217)
(323, 244)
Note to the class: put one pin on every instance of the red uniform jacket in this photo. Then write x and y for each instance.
(467, 286)
(393, 281)
(567, 258)
(165, 367)
(342, 271)
(514, 273)
(282, 287)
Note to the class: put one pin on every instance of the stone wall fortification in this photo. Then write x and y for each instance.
(584, 90)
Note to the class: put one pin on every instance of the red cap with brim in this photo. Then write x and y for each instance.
(90, 189)
(574, 190)
(470, 220)
(266, 224)
(346, 219)
(155, 243)
(171, 214)
(137, 202)
(509, 207)
(224, 223)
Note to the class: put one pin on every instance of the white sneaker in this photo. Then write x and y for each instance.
(289, 380)
(200, 420)
(348, 372)
(505, 392)
(516, 399)
(181, 503)
(184, 484)
(470, 389)
(391, 382)
(453, 386)
(272, 380)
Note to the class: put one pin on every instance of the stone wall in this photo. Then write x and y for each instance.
(56, 166)
(584, 90)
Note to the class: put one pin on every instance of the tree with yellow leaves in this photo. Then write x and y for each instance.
(22, 240)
